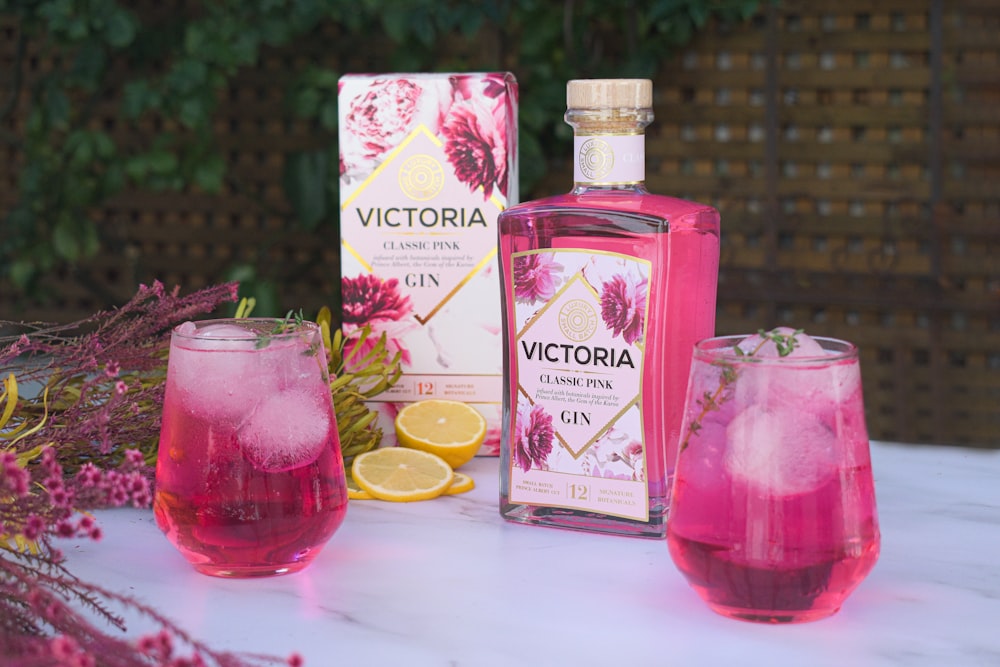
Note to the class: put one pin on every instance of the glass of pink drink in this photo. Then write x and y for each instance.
(773, 515)
(249, 477)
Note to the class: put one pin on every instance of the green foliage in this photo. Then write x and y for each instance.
(178, 63)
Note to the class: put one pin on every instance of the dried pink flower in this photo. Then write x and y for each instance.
(33, 527)
(13, 478)
(65, 529)
(97, 372)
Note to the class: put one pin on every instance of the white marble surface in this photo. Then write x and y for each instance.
(449, 583)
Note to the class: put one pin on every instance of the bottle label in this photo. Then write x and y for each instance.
(609, 159)
(577, 439)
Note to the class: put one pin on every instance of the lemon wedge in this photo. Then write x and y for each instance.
(401, 475)
(355, 492)
(460, 484)
(450, 429)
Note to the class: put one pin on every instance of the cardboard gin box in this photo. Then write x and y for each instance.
(427, 163)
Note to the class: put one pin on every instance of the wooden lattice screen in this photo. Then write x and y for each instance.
(853, 148)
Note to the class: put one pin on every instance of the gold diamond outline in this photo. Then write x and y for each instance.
(634, 401)
(421, 128)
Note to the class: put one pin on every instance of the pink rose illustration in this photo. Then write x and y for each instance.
(370, 300)
(536, 277)
(475, 138)
(623, 306)
(533, 435)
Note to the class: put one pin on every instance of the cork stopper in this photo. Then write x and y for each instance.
(609, 94)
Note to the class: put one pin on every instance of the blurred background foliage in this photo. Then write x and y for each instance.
(165, 65)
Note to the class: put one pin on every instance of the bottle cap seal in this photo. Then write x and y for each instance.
(609, 94)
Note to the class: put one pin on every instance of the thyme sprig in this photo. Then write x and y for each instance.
(292, 321)
(785, 343)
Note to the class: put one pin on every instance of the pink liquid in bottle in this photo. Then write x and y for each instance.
(605, 290)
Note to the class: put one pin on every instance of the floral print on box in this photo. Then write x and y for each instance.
(427, 163)
(469, 113)
(370, 300)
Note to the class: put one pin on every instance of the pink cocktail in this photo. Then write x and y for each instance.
(249, 478)
(773, 506)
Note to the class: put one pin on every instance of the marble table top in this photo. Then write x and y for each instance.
(449, 583)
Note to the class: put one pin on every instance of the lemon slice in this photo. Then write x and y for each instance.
(451, 429)
(460, 484)
(401, 474)
(355, 492)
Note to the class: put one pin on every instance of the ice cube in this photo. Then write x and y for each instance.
(187, 328)
(289, 429)
(295, 362)
(699, 463)
(806, 346)
(780, 452)
(218, 337)
(822, 386)
(218, 386)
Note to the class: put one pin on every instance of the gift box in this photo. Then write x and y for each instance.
(427, 163)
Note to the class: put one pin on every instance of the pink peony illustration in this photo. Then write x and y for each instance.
(533, 434)
(475, 138)
(536, 277)
(370, 300)
(385, 113)
(623, 306)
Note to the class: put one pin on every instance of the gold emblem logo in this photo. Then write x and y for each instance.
(596, 159)
(421, 178)
(577, 320)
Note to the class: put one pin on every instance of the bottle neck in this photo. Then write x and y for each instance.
(609, 148)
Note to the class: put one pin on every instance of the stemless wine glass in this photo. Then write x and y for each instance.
(249, 476)
(773, 504)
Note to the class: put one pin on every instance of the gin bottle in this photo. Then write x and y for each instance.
(604, 290)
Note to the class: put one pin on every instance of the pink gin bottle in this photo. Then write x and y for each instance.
(605, 291)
